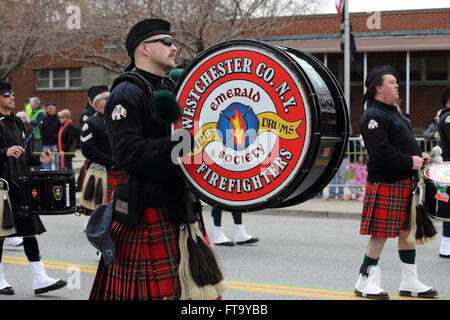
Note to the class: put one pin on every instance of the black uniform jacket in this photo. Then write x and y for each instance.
(390, 143)
(86, 114)
(13, 133)
(444, 133)
(95, 142)
(141, 144)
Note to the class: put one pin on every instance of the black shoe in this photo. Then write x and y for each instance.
(8, 291)
(444, 255)
(427, 294)
(381, 296)
(57, 285)
(225, 244)
(251, 240)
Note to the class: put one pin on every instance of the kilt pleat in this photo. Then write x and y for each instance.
(115, 177)
(386, 208)
(146, 261)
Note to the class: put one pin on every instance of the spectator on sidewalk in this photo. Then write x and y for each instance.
(66, 140)
(49, 132)
(339, 177)
(359, 169)
(26, 107)
(37, 115)
(36, 118)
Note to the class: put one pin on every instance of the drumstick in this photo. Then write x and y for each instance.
(32, 134)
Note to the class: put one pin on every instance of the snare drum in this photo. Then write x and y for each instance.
(50, 192)
(437, 178)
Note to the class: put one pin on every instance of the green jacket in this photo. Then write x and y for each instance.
(37, 115)
(28, 110)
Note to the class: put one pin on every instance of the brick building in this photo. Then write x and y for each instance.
(415, 42)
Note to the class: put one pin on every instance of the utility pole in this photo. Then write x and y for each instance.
(347, 55)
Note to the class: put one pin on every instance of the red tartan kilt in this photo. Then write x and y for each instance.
(386, 208)
(145, 264)
(115, 177)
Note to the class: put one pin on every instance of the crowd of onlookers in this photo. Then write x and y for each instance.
(50, 130)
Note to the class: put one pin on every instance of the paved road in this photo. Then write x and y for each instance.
(299, 257)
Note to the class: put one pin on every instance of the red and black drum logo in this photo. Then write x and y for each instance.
(250, 120)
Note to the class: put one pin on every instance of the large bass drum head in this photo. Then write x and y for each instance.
(255, 122)
(249, 113)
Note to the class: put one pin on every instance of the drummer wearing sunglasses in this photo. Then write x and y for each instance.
(15, 159)
(141, 145)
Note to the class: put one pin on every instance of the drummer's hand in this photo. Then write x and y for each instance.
(417, 162)
(46, 156)
(14, 151)
(426, 158)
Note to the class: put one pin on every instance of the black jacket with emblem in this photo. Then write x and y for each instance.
(95, 142)
(141, 145)
(444, 133)
(390, 143)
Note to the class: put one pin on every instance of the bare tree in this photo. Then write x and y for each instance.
(196, 24)
(37, 28)
(29, 29)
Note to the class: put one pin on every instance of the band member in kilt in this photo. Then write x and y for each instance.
(96, 149)
(16, 158)
(444, 133)
(394, 160)
(147, 257)
(88, 112)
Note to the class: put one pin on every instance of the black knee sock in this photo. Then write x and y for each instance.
(407, 256)
(31, 248)
(237, 217)
(217, 216)
(367, 262)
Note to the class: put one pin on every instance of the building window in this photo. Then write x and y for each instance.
(357, 69)
(437, 68)
(58, 79)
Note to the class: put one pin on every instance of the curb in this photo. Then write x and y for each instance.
(300, 213)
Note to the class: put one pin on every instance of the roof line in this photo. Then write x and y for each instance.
(374, 34)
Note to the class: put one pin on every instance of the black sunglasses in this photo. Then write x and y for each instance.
(166, 41)
(7, 94)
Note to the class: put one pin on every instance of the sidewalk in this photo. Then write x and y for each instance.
(314, 207)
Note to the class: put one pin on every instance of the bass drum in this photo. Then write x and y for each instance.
(270, 125)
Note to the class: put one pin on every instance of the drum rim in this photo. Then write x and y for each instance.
(331, 170)
(439, 218)
(277, 195)
(444, 184)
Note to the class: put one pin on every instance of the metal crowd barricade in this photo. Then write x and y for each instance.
(355, 149)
